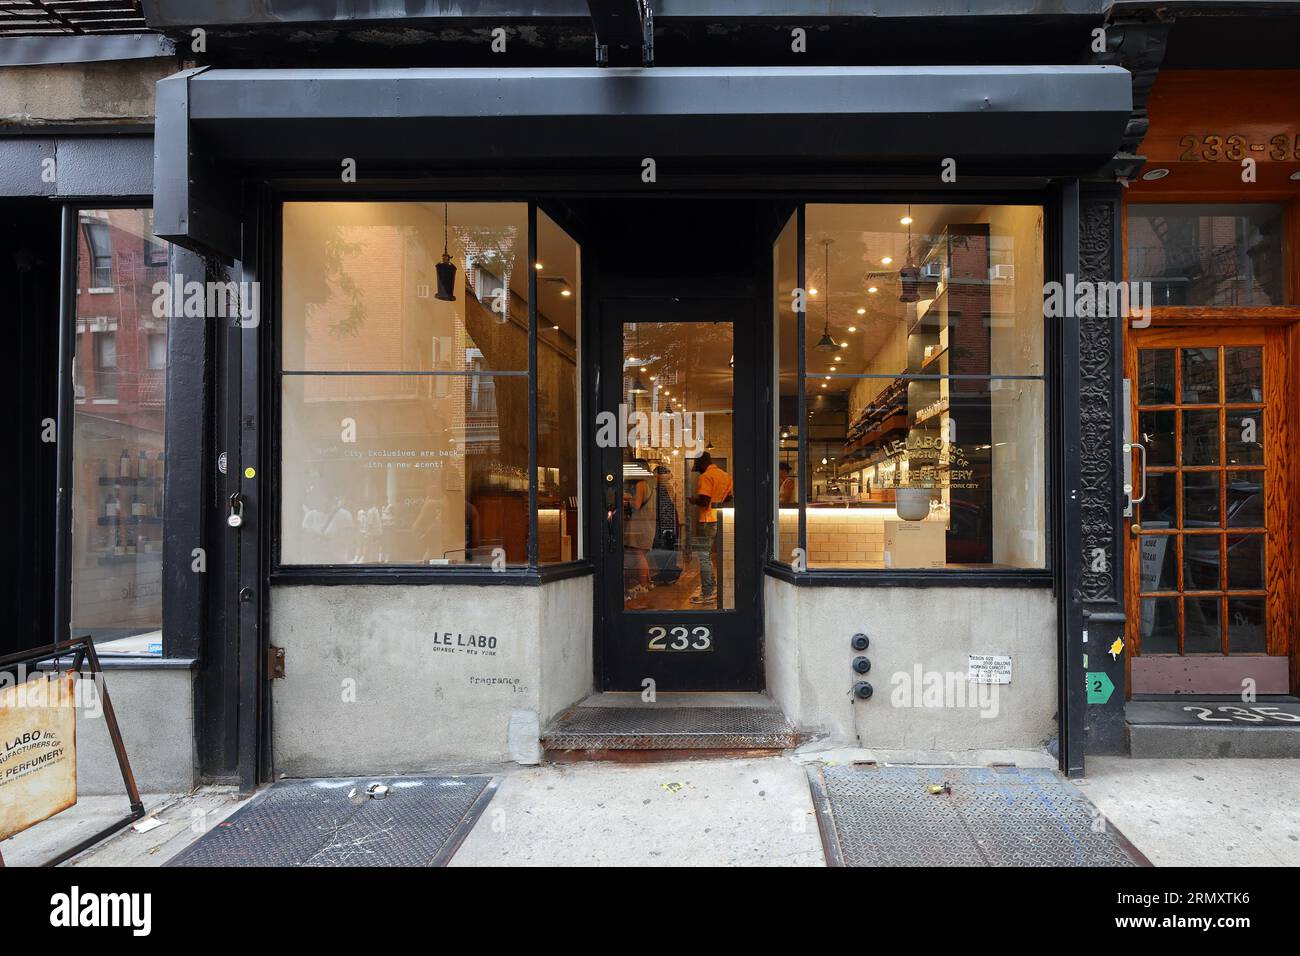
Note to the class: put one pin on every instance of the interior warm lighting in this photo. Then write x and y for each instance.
(812, 291)
(905, 221)
(872, 289)
(537, 266)
(854, 328)
(860, 312)
(555, 328)
(886, 260)
(566, 293)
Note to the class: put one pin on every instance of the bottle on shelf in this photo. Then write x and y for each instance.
(124, 465)
(111, 506)
(142, 469)
(138, 509)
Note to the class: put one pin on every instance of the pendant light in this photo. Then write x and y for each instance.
(909, 277)
(445, 270)
(826, 343)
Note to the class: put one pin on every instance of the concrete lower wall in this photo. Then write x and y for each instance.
(920, 642)
(395, 678)
(155, 711)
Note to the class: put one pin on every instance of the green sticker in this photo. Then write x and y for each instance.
(1099, 687)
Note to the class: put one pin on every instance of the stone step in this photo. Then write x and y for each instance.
(1214, 726)
(703, 723)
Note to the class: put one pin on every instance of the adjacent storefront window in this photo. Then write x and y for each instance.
(921, 383)
(1222, 254)
(118, 449)
(405, 385)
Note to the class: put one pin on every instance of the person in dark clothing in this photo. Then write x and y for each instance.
(667, 528)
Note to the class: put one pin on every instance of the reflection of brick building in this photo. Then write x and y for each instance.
(120, 395)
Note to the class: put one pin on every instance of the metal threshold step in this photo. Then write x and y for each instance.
(675, 722)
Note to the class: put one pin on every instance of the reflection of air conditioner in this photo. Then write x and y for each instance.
(932, 270)
(1003, 270)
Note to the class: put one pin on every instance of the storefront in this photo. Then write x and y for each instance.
(490, 388)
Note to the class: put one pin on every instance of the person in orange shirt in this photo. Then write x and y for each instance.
(713, 487)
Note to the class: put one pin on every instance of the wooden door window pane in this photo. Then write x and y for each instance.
(1156, 377)
(1201, 499)
(1159, 625)
(1244, 436)
(1245, 499)
(1246, 562)
(1157, 433)
(1202, 562)
(1201, 633)
(1201, 437)
(1200, 376)
(1243, 374)
(1247, 627)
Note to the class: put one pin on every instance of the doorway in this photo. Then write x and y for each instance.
(676, 432)
(1209, 556)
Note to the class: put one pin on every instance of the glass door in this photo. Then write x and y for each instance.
(679, 576)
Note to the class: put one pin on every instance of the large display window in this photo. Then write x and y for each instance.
(428, 385)
(910, 425)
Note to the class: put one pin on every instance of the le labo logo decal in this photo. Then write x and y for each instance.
(454, 642)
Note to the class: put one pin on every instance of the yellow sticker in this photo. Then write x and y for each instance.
(250, 472)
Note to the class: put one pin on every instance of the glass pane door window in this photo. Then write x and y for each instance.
(677, 398)
(119, 451)
(1199, 555)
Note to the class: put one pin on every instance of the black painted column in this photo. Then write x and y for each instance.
(184, 498)
(1099, 586)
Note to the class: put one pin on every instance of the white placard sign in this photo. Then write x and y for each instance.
(988, 668)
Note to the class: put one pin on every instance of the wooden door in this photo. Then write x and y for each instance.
(1209, 547)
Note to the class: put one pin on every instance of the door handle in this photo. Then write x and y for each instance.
(1128, 488)
(235, 512)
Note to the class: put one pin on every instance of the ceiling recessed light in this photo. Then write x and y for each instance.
(812, 291)
(886, 260)
(1151, 175)
(555, 328)
(823, 384)
(538, 267)
(566, 293)
(853, 328)
(860, 312)
(905, 221)
(828, 378)
(844, 345)
(872, 289)
(837, 358)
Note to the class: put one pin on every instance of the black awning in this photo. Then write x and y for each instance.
(1016, 120)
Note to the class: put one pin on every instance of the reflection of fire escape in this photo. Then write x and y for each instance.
(1213, 275)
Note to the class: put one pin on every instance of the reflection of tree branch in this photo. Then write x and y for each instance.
(337, 249)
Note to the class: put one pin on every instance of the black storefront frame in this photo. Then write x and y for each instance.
(1059, 198)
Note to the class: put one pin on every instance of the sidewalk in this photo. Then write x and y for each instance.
(754, 812)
